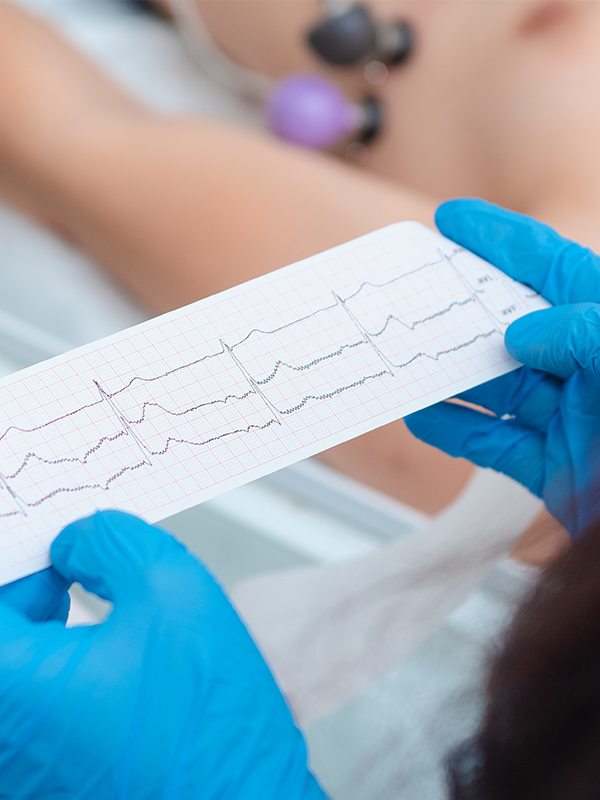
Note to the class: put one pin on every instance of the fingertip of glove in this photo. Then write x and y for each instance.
(446, 215)
(114, 554)
(421, 423)
(96, 533)
(543, 340)
(518, 334)
(62, 546)
(452, 216)
(102, 522)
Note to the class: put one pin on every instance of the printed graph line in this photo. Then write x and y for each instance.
(253, 385)
(430, 318)
(127, 428)
(252, 332)
(257, 386)
(216, 354)
(364, 332)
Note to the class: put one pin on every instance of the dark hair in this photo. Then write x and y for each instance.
(540, 737)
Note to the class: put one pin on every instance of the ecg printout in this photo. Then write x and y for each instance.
(171, 412)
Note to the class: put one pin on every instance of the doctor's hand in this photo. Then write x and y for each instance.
(41, 597)
(545, 432)
(168, 698)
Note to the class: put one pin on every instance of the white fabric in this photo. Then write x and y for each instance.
(328, 632)
(391, 741)
(144, 55)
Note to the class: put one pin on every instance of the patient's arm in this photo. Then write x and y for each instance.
(174, 208)
(177, 209)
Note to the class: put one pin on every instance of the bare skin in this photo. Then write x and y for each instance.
(543, 541)
(497, 101)
(486, 106)
(210, 188)
(521, 116)
(178, 208)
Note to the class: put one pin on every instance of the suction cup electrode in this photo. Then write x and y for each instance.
(350, 37)
(312, 112)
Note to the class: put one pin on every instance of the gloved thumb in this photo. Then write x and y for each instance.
(114, 555)
(560, 340)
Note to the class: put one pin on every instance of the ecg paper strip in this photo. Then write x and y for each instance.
(171, 412)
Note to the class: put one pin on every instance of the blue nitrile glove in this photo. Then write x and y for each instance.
(551, 443)
(168, 699)
(41, 597)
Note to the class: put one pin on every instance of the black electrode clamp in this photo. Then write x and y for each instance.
(351, 36)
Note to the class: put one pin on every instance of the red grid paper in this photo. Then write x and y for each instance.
(174, 411)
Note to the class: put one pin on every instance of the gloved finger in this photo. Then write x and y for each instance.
(527, 250)
(40, 597)
(580, 423)
(573, 455)
(503, 445)
(561, 340)
(531, 396)
(116, 556)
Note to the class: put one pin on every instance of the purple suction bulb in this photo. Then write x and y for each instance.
(310, 111)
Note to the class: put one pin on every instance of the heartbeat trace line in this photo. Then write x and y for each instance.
(253, 331)
(256, 386)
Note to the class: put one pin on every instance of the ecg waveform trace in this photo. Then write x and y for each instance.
(175, 410)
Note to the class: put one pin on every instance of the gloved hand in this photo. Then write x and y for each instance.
(546, 432)
(168, 698)
(40, 597)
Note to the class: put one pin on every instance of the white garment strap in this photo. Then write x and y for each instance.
(328, 632)
(213, 62)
